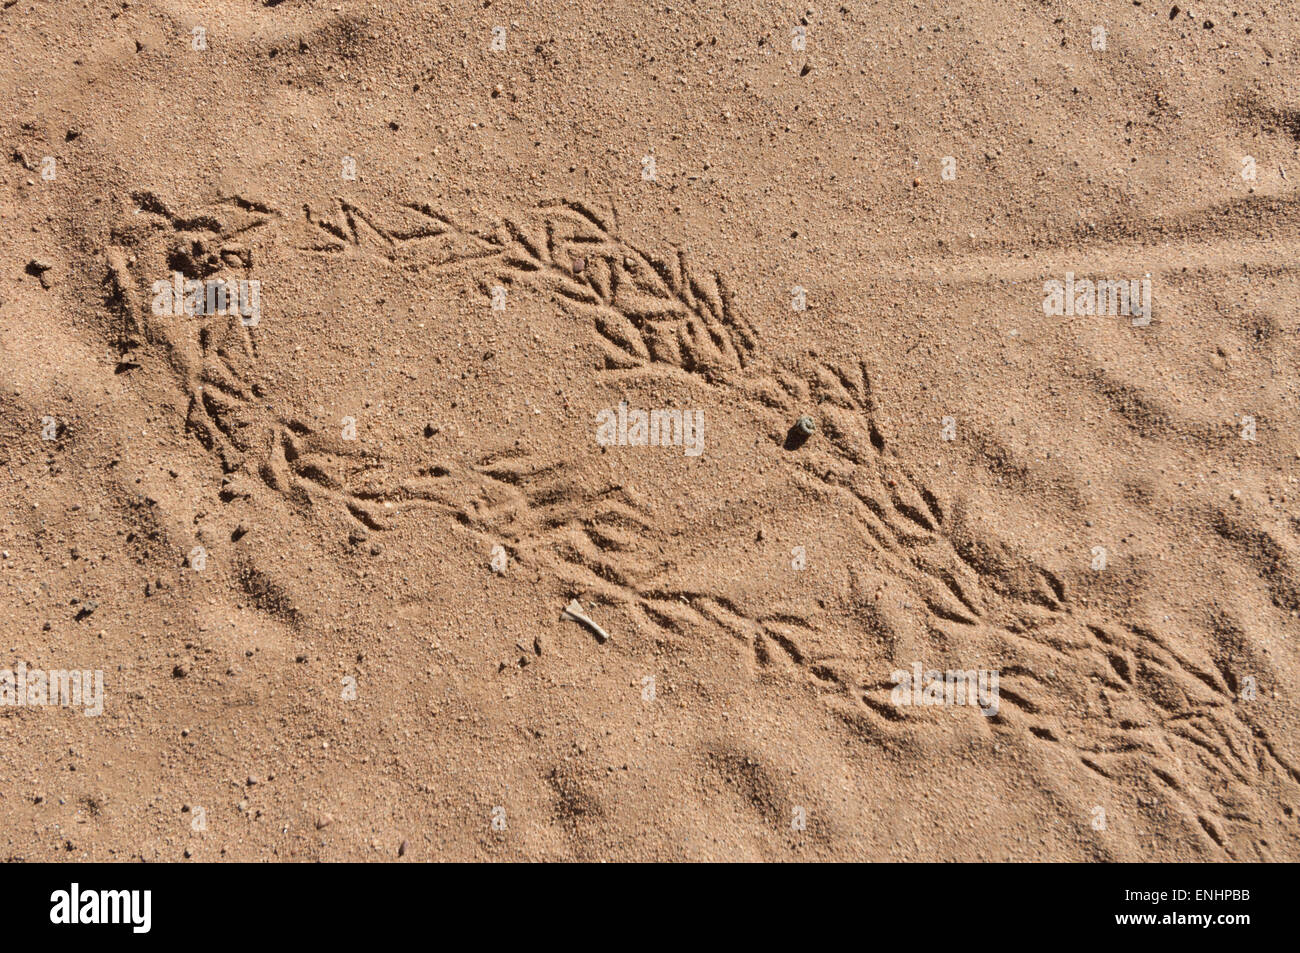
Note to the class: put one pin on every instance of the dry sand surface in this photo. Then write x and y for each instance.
(320, 548)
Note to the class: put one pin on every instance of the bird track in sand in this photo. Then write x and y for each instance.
(1119, 700)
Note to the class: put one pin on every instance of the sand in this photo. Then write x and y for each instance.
(320, 547)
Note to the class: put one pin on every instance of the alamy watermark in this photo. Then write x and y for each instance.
(1130, 297)
(181, 295)
(655, 428)
(24, 687)
(76, 906)
(976, 688)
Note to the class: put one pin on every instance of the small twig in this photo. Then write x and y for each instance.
(574, 612)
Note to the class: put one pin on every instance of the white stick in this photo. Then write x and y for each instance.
(575, 612)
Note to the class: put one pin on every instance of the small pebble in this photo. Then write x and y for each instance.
(41, 269)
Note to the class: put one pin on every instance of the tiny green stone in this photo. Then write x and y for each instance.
(806, 425)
